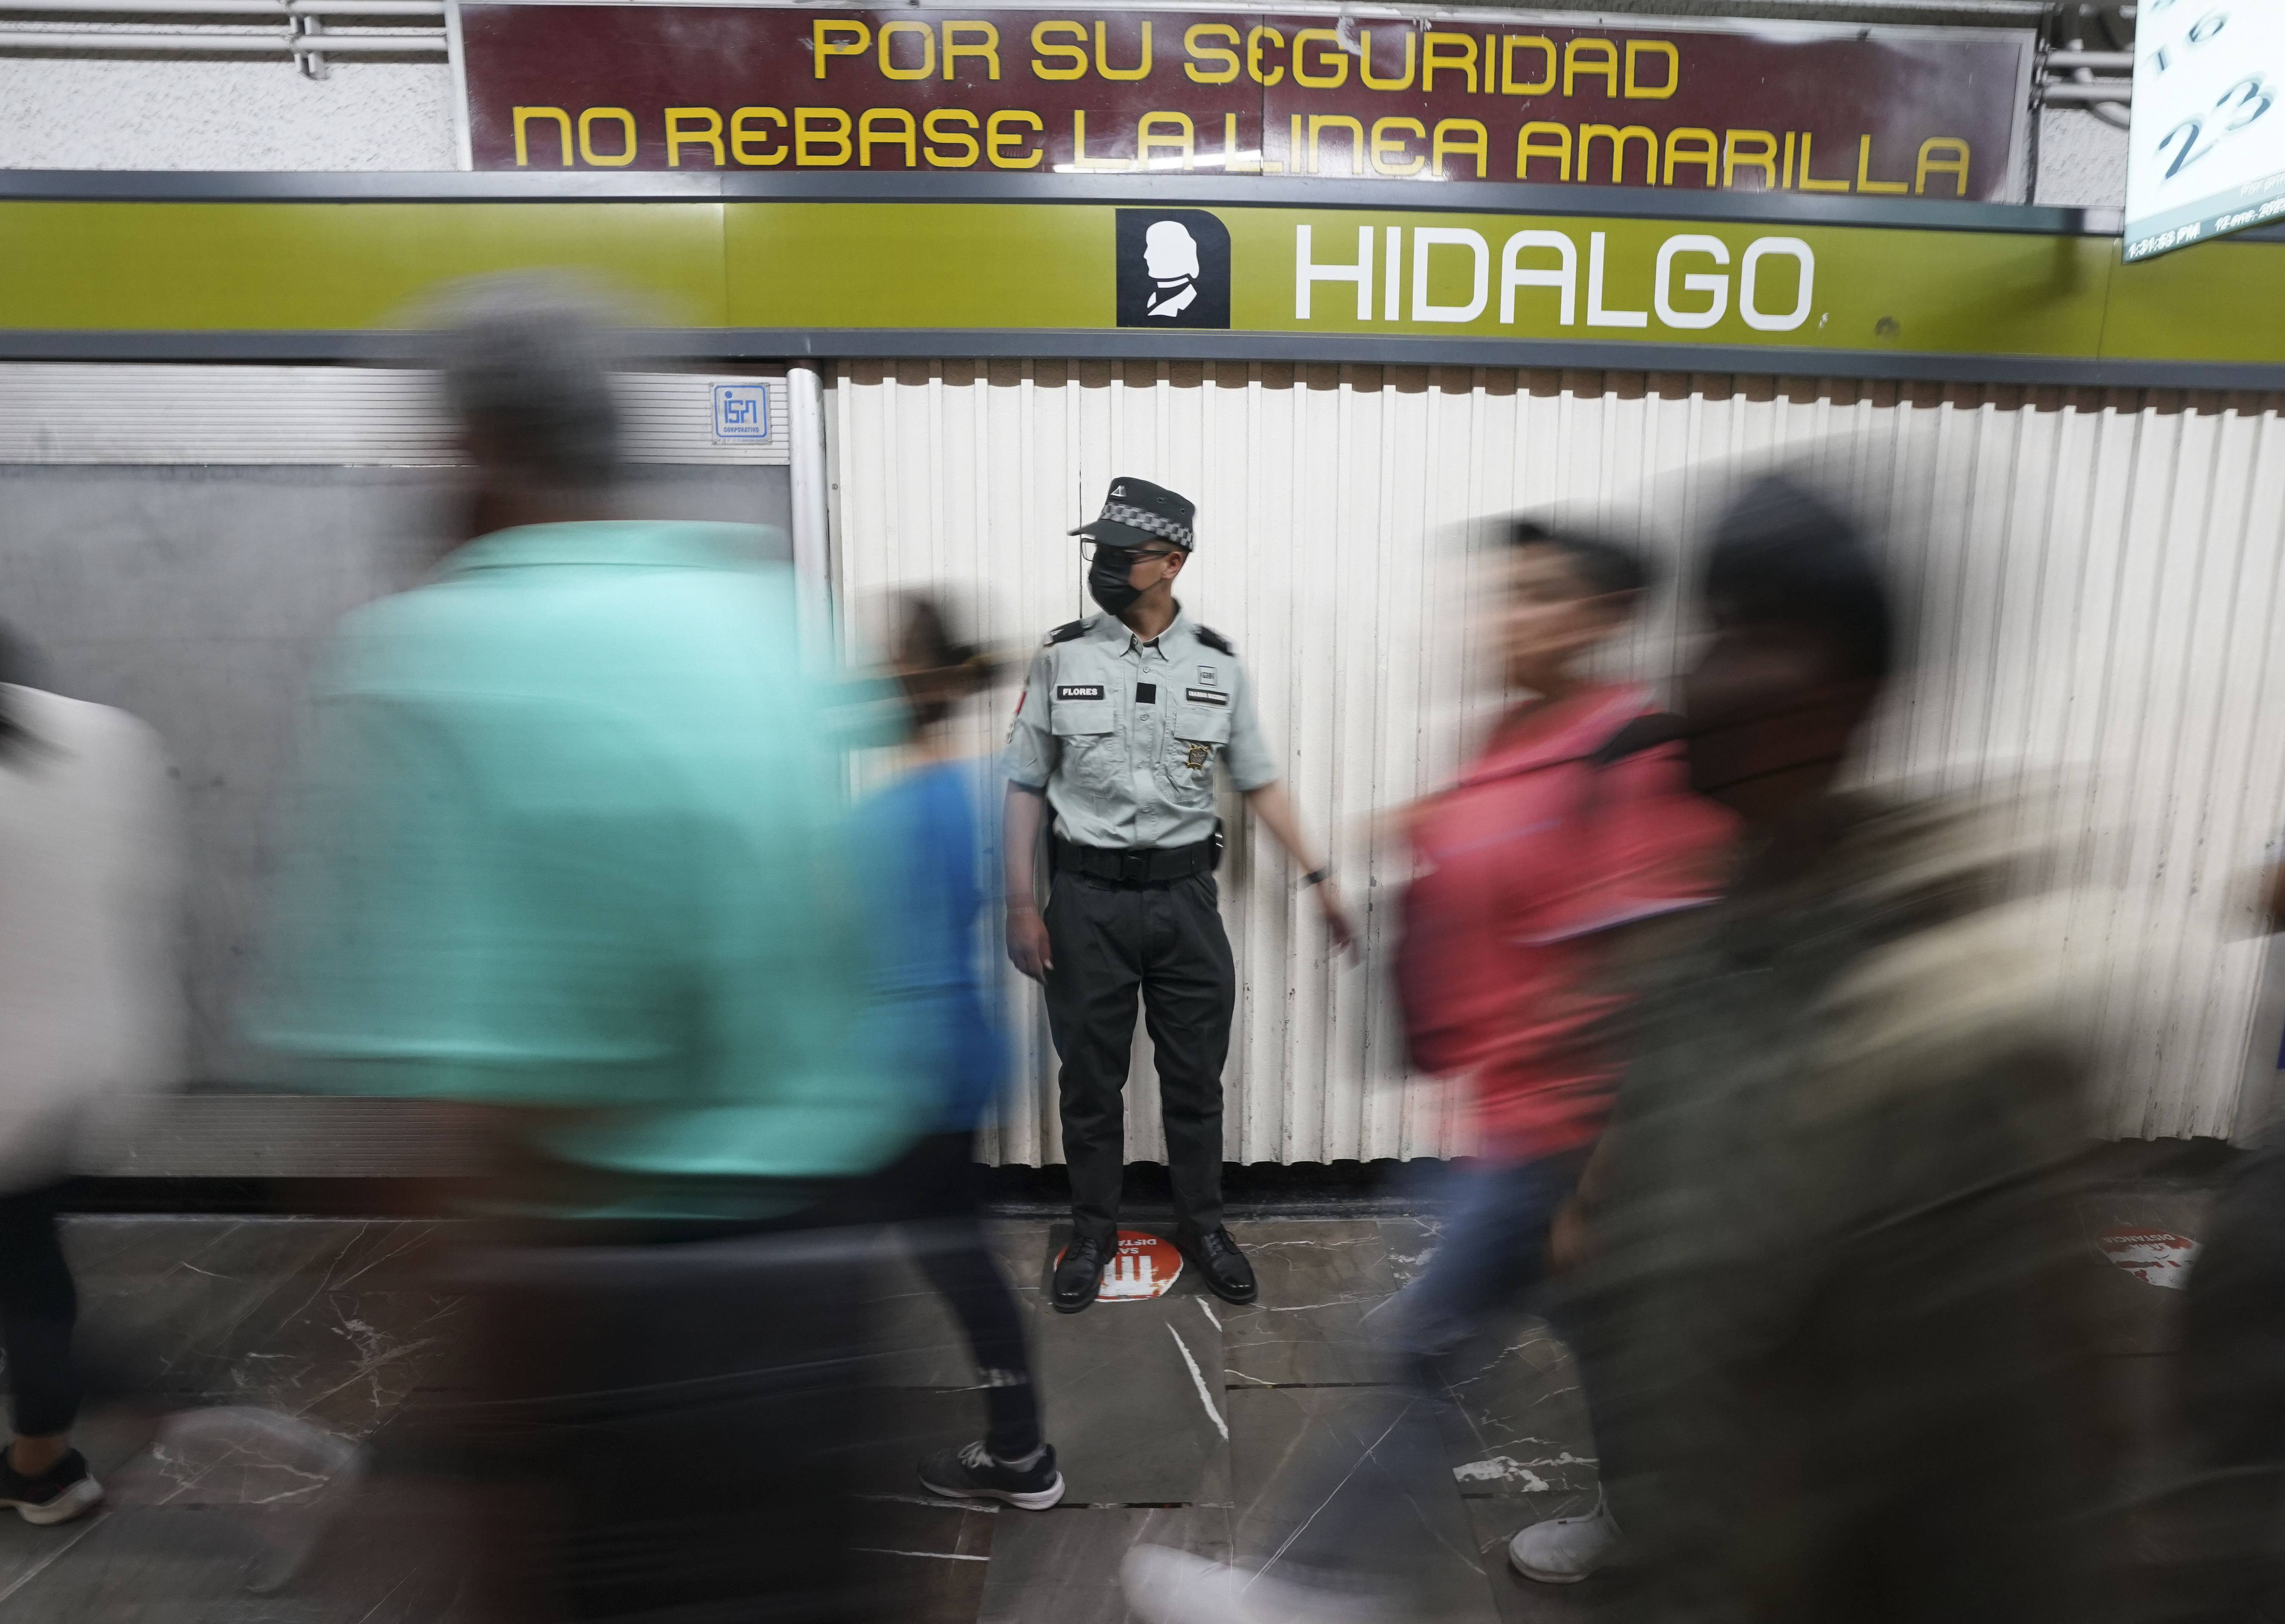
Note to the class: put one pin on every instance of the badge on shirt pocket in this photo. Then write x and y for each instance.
(1201, 728)
(1078, 690)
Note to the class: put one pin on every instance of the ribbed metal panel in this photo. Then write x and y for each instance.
(341, 416)
(283, 1136)
(2099, 582)
(671, 419)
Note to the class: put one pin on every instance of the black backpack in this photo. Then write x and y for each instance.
(1646, 732)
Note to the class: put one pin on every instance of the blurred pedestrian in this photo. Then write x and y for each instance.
(2220, 1508)
(90, 1016)
(1833, 1349)
(931, 835)
(570, 851)
(1573, 826)
(1575, 823)
(1121, 723)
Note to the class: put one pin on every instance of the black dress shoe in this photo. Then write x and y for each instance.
(1228, 1275)
(1079, 1276)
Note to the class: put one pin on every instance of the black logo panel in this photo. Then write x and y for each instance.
(1174, 268)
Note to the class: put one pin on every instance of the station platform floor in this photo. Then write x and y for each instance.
(1178, 1420)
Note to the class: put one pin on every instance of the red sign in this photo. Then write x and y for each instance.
(1144, 1267)
(1486, 96)
(2151, 1256)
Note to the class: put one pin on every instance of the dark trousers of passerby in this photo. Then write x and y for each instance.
(672, 1431)
(38, 1307)
(1355, 1528)
(937, 1187)
(2222, 1516)
(1163, 942)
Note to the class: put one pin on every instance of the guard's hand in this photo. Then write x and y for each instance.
(1568, 1238)
(1340, 930)
(1027, 943)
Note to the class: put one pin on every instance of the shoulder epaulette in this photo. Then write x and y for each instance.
(1064, 632)
(1216, 641)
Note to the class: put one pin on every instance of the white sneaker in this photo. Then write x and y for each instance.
(1564, 1549)
(1174, 1586)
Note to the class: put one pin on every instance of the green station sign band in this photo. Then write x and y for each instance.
(761, 278)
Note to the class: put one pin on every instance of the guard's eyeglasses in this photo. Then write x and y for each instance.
(1130, 556)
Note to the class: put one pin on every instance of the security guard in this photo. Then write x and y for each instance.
(1122, 720)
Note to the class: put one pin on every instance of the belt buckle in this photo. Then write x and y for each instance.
(1134, 867)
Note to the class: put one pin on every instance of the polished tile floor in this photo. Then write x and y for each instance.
(1180, 1420)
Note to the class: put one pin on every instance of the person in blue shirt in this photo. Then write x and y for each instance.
(933, 831)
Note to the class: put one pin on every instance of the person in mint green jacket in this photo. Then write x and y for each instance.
(569, 851)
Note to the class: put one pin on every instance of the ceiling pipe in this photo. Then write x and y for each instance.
(231, 8)
(409, 41)
(2107, 99)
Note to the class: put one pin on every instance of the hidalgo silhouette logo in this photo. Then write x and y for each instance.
(1174, 268)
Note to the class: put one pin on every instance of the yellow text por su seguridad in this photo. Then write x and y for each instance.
(1488, 63)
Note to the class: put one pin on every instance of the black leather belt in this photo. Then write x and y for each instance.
(1137, 867)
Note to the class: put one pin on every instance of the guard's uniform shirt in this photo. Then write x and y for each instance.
(1121, 735)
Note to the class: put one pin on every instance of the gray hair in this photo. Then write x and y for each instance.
(528, 357)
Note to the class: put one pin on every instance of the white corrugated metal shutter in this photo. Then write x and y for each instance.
(2099, 574)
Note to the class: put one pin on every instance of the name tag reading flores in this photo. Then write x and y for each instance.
(1078, 690)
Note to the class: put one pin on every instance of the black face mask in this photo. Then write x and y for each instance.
(1107, 583)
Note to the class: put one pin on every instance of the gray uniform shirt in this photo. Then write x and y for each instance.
(1122, 736)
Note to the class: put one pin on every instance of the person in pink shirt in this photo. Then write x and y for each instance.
(1571, 830)
(1575, 823)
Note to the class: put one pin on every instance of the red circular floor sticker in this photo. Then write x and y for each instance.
(1144, 1267)
(2150, 1255)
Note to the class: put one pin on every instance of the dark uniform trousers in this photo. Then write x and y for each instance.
(1167, 941)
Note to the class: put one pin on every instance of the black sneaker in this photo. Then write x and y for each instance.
(971, 1474)
(1228, 1275)
(62, 1492)
(1079, 1276)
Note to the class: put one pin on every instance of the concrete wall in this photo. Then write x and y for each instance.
(98, 114)
(197, 597)
(2082, 162)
